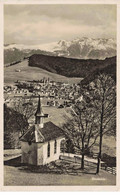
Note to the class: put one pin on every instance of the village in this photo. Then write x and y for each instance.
(57, 94)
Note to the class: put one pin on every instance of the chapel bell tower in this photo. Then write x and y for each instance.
(39, 116)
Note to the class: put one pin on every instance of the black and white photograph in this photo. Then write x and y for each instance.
(59, 109)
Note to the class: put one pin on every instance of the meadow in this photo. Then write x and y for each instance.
(23, 72)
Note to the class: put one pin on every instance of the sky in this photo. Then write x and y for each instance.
(39, 24)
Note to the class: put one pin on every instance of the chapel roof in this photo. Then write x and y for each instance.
(36, 134)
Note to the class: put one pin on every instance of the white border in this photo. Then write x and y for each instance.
(61, 188)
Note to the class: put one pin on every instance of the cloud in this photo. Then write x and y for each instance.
(64, 10)
(47, 23)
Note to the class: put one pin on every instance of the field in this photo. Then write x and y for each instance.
(56, 115)
(19, 176)
(108, 146)
(32, 73)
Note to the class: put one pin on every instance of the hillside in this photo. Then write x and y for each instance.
(108, 69)
(72, 67)
(32, 73)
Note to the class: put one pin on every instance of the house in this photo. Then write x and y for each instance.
(41, 143)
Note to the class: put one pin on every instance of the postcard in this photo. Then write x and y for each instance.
(59, 95)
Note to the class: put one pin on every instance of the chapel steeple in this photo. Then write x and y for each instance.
(39, 116)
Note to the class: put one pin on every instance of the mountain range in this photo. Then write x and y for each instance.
(86, 48)
(79, 48)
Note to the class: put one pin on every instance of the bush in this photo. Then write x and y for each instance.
(109, 160)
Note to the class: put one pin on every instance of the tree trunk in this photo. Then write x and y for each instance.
(82, 162)
(101, 134)
(98, 165)
(100, 149)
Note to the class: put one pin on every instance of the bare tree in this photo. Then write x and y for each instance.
(94, 116)
(82, 128)
(25, 107)
(101, 94)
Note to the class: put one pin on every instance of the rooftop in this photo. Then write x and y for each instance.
(49, 132)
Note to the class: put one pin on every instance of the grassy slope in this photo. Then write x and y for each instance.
(30, 73)
(19, 176)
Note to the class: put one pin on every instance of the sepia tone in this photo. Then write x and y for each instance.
(60, 95)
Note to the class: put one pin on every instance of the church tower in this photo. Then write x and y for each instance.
(39, 116)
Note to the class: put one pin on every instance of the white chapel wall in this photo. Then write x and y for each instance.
(52, 156)
(29, 153)
(39, 153)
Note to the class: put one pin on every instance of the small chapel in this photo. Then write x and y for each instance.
(41, 143)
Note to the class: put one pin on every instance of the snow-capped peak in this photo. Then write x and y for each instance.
(78, 48)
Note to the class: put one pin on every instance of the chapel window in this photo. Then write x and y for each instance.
(48, 150)
(55, 147)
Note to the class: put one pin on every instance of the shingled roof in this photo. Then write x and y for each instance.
(49, 132)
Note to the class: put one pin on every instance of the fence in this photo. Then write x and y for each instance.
(76, 159)
(111, 170)
(67, 158)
